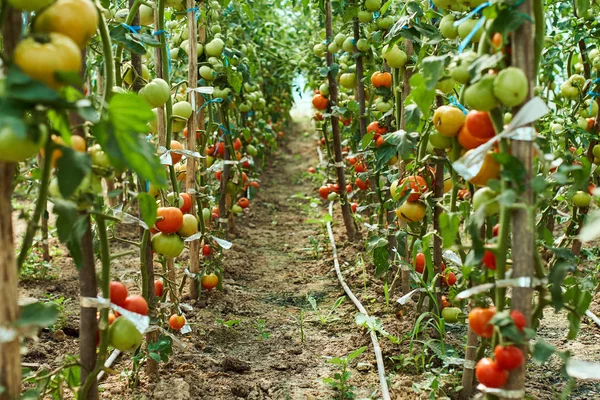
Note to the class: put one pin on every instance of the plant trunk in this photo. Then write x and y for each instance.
(335, 128)
(360, 90)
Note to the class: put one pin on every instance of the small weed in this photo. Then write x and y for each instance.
(36, 269)
(325, 318)
(61, 303)
(339, 381)
(228, 323)
(261, 327)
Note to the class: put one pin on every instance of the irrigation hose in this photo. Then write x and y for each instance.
(385, 394)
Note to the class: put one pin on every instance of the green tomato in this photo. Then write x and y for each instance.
(251, 150)
(395, 57)
(365, 16)
(183, 109)
(169, 246)
(333, 196)
(577, 80)
(231, 188)
(339, 39)
(373, 5)
(236, 209)
(320, 49)
(99, 157)
(581, 199)
(206, 214)
(447, 28)
(214, 48)
(450, 314)
(383, 106)
(446, 85)
(215, 29)
(207, 73)
(480, 95)
(123, 335)
(348, 44)
(324, 89)
(589, 109)
(333, 47)
(439, 141)
(348, 80)
(385, 23)
(171, 200)
(568, 90)
(363, 45)
(596, 151)
(156, 93)
(486, 198)
(511, 86)
(466, 27)
(146, 15)
(15, 148)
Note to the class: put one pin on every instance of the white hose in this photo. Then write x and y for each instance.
(380, 368)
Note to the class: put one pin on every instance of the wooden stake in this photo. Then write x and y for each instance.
(335, 128)
(523, 238)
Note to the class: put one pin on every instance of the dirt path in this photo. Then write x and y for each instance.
(272, 348)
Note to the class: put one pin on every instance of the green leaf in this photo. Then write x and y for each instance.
(433, 68)
(366, 141)
(38, 314)
(356, 353)
(148, 208)
(235, 80)
(542, 351)
(412, 115)
(449, 224)
(405, 142)
(380, 259)
(124, 36)
(70, 226)
(73, 167)
(555, 279)
(121, 136)
(21, 87)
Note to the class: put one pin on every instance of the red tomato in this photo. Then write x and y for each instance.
(312, 170)
(489, 260)
(136, 304)
(244, 202)
(496, 230)
(172, 219)
(324, 191)
(419, 263)
(508, 357)
(207, 250)
(118, 293)
(360, 167)
(159, 287)
(349, 188)
(362, 185)
(449, 279)
(490, 374)
(187, 202)
(518, 319)
(352, 160)
(354, 206)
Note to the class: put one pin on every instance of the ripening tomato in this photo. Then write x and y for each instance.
(159, 287)
(381, 79)
(172, 219)
(77, 19)
(175, 145)
(209, 281)
(411, 211)
(117, 293)
(508, 357)
(187, 202)
(176, 322)
(312, 170)
(198, 132)
(518, 319)
(479, 321)
(480, 125)
(136, 304)
(42, 58)
(490, 374)
(417, 184)
(489, 260)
